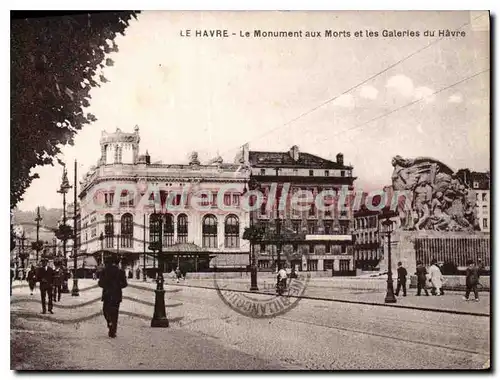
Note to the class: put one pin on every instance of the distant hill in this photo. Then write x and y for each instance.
(50, 218)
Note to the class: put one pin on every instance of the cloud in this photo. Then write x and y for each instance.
(369, 92)
(424, 93)
(346, 101)
(402, 84)
(455, 98)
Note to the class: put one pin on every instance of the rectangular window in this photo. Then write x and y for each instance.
(227, 199)
(312, 210)
(262, 248)
(204, 199)
(327, 173)
(343, 249)
(342, 173)
(477, 196)
(311, 227)
(476, 185)
(344, 265)
(328, 248)
(295, 247)
(236, 200)
(262, 171)
(485, 209)
(264, 264)
(484, 197)
(311, 173)
(311, 248)
(327, 265)
(214, 199)
(296, 226)
(485, 223)
(312, 265)
(328, 227)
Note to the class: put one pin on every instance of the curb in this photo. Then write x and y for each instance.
(447, 311)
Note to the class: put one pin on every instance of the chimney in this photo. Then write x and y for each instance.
(148, 158)
(294, 152)
(340, 159)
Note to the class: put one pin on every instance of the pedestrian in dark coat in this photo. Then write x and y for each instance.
(471, 280)
(112, 280)
(32, 278)
(421, 278)
(58, 282)
(402, 273)
(45, 276)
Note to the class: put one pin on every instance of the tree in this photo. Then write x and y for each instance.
(12, 238)
(54, 64)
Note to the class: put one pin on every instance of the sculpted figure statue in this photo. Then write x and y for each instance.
(440, 219)
(422, 197)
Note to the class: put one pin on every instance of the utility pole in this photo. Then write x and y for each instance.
(38, 219)
(144, 250)
(75, 291)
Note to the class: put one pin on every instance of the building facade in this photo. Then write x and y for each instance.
(201, 221)
(319, 238)
(479, 185)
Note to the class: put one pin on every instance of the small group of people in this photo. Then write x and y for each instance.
(436, 279)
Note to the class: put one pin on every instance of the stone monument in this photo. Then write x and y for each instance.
(437, 216)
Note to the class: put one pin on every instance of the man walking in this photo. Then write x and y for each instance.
(421, 279)
(112, 280)
(58, 280)
(471, 281)
(402, 273)
(436, 278)
(45, 276)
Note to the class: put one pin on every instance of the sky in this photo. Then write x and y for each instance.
(213, 95)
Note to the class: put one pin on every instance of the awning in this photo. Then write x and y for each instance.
(184, 248)
(90, 262)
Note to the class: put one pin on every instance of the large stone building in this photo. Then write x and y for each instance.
(479, 184)
(121, 193)
(315, 239)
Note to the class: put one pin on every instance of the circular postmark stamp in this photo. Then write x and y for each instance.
(264, 303)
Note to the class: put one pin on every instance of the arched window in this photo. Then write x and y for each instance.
(182, 228)
(168, 231)
(109, 230)
(232, 232)
(127, 230)
(209, 231)
(154, 228)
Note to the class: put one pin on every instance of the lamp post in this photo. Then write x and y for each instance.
(144, 250)
(101, 239)
(75, 292)
(38, 219)
(159, 316)
(387, 229)
(253, 262)
(65, 186)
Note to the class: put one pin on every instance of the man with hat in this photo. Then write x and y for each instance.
(112, 280)
(45, 276)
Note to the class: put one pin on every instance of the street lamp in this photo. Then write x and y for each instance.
(101, 239)
(387, 228)
(65, 186)
(252, 237)
(159, 315)
(75, 291)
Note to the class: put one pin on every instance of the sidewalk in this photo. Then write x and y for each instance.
(451, 302)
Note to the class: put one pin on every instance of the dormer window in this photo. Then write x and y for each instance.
(327, 173)
(262, 171)
(475, 185)
(311, 173)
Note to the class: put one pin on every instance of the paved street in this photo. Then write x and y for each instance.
(205, 333)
